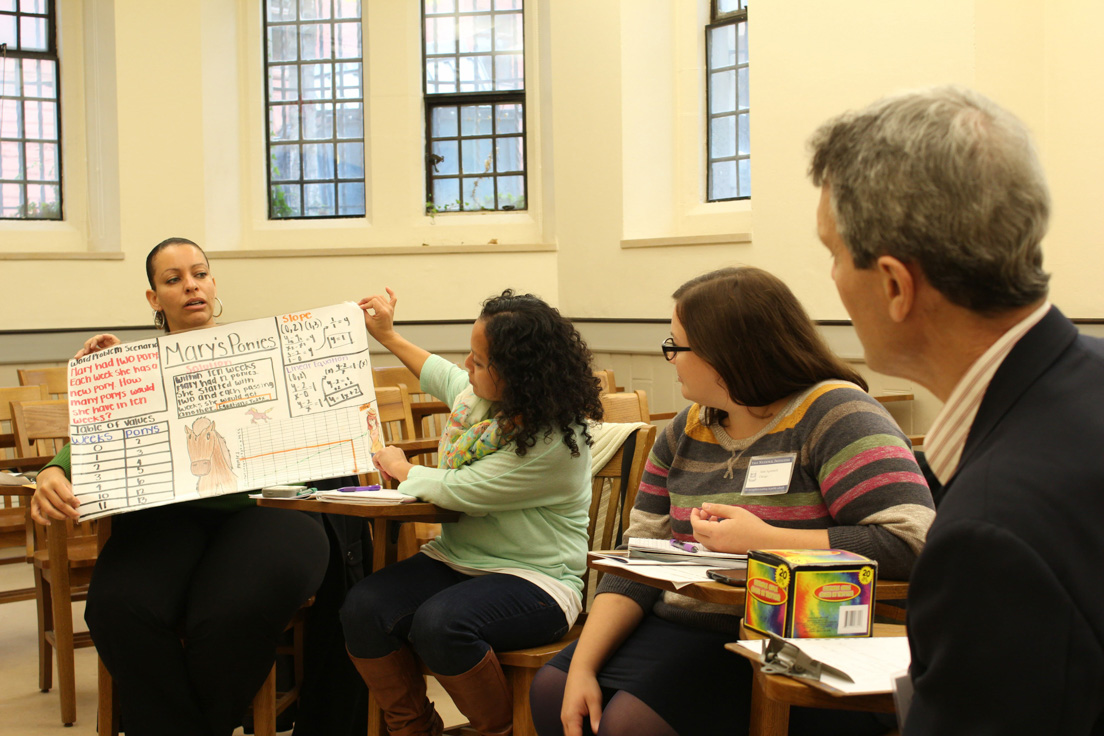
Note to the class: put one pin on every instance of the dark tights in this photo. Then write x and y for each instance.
(623, 714)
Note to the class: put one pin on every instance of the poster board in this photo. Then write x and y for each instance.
(285, 399)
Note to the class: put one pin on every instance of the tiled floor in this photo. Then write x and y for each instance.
(24, 711)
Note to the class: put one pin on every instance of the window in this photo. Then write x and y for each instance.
(728, 113)
(314, 96)
(474, 52)
(30, 129)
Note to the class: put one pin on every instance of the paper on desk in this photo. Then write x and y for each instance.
(680, 575)
(662, 550)
(871, 662)
(699, 562)
(383, 496)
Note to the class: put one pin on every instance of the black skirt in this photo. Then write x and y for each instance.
(700, 688)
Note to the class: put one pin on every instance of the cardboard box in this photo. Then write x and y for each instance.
(810, 593)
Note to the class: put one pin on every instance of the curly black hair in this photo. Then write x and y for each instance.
(544, 370)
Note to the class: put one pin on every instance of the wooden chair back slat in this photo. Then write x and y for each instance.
(613, 494)
(393, 375)
(429, 413)
(625, 406)
(9, 394)
(55, 379)
(393, 405)
(606, 382)
(40, 427)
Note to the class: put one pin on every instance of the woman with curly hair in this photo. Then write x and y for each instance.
(515, 460)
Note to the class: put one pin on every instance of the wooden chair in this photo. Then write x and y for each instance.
(606, 382)
(629, 406)
(64, 555)
(55, 379)
(40, 427)
(429, 413)
(396, 410)
(520, 666)
(267, 704)
(393, 405)
(614, 486)
(15, 520)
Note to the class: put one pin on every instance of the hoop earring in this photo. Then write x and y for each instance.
(159, 319)
(221, 309)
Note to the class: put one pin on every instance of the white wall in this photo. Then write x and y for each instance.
(615, 150)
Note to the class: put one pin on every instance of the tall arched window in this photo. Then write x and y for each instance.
(30, 115)
(474, 53)
(314, 96)
(728, 106)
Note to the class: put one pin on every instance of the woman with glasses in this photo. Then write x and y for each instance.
(763, 386)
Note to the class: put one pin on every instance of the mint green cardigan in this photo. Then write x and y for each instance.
(518, 512)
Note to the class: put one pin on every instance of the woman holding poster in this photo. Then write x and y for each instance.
(187, 601)
(515, 459)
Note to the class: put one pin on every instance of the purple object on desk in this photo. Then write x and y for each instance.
(685, 546)
(351, 489)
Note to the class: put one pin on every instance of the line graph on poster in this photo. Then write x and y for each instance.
(289, 450)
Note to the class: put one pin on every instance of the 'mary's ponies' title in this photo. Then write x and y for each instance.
(230, 345)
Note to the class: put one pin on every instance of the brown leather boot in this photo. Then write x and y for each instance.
(399, 687)
(482, 694)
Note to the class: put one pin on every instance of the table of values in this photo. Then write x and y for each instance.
(222, 410)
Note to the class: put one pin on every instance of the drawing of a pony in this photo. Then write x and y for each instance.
(210, 459)
(256, 416)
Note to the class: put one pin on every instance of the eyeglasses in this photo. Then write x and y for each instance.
(669, 348)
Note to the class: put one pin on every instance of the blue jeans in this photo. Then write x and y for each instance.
(450, 619)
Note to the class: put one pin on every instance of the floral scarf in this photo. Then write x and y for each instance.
(463, 442)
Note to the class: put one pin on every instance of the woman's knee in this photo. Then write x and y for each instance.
(447, 642)
(369, 620)
(546, 700)
(115, 606)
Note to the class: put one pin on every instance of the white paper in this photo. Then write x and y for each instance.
(384, 495)
(661, 550)
(680, 575)
(286, 399)
(872, 662)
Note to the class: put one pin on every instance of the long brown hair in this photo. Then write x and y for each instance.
(751, 329)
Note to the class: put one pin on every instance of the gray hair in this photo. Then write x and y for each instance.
(946, 179)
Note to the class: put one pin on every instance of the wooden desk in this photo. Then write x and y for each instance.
(383, 551)
(772, 696)
(728, 595)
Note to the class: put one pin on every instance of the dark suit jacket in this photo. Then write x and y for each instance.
(1006, 606)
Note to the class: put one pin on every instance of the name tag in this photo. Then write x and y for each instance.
(769, 475)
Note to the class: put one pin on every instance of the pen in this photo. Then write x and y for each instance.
(686, 546)
(351, 489)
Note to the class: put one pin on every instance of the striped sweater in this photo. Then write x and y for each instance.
(854, 475)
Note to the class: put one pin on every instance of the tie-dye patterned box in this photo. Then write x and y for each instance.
(808, 593)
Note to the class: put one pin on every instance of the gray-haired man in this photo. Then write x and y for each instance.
(933, 205)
